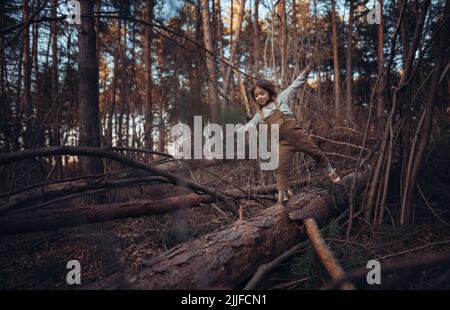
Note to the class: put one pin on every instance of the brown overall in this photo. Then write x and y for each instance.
(293, 138)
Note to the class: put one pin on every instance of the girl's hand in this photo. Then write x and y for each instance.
(307, 69)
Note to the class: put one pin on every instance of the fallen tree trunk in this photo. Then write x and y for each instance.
(326, 255)
(8, 158)
(49, 219)
(229, 257)
(32, 198)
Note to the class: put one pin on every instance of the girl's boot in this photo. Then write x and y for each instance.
(332, 174)
(284, 195)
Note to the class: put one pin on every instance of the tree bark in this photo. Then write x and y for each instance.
(88, 92)
(210, 63)
(219, 36)
(148, 115)
(56, 131)
(227, 82)
(326, 256)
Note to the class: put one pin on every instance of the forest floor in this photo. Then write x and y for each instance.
(38, 260)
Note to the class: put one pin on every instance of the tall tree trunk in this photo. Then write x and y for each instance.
(161, 127)
(256, 44)
(337, 79)
(5, 104)
(37, 136)
(134, 97)
(122, 102)
(2, 52)
(349, 70)
(293, 41)
(210, 62)
(26, 109)
(148, 115)
(97, 29)
(284, 43)
(88, 91)
(403, 31)
(18, 104)
(220, 41)
(318, 55)
(113, 90)
(380, 53)
(234, 47)
(56, 131)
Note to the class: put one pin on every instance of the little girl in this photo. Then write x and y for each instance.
(274, 109)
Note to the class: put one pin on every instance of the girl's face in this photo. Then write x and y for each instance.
(262, 96)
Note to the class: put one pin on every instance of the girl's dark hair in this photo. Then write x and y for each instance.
(267, 86)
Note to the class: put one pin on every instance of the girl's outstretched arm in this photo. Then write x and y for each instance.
(253, 122)
(286, 95)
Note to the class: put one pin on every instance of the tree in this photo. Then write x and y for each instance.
(26, 109)
(210, 62)
(148, 115)
(348, 60)
(337, 79)
(55, 132)
(380, 54)
(284, 42)
(256, 44)
(234, 45)
(88, 88)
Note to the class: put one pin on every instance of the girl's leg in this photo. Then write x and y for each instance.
(302, 141)
(286, 152)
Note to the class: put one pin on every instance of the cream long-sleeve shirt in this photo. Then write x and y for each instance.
(282, 102)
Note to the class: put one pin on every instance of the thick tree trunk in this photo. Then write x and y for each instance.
(148, 85)
(229, 257)
(55, 132)
(55, 218)
(89, 108)
(219, 35)
(234, 44)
